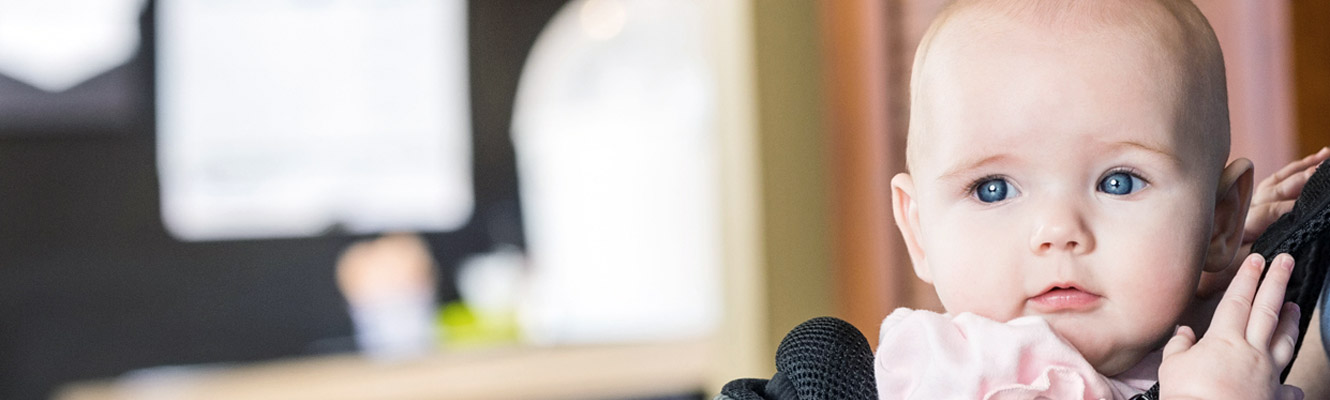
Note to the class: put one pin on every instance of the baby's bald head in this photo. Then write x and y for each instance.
(1168, 42)
(1078, 145)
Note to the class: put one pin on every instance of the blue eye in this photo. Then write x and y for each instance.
(1121, 183)
(994, 190)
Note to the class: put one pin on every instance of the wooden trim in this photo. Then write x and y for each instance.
(1311, 72)
(868, 268)
(868, 48)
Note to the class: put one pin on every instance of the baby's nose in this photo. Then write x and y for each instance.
(1061, 233)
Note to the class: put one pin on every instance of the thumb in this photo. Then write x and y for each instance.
(1182, 340)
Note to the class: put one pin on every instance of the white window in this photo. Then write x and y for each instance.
(288, 118)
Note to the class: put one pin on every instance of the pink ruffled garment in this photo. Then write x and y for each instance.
(926, 355)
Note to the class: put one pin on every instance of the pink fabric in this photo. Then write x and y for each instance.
(926, 355)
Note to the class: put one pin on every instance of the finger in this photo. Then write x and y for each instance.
(1291, 187)
(1262, 216)
(1269, 302)
(1288, 182)
(1231, 314)
(1286, 336)
(1265, 190)
(1311, 160)
(1183, 338)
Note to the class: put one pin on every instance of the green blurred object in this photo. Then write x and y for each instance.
(461, 327)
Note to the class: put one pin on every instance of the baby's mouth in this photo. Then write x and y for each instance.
(1064, 298)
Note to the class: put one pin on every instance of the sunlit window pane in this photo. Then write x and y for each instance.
(292, 118)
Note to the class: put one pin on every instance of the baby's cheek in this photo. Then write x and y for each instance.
(974, 266)
(980, 293)
(1155, 311)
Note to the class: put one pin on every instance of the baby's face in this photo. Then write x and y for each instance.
(1051, 178)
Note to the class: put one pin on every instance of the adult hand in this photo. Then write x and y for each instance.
(1275, 194)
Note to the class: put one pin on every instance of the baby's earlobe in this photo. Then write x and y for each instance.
(906, 212)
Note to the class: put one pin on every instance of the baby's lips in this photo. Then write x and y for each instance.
(1065, 285)
(1059, 299)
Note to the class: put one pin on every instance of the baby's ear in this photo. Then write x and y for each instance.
(906, 212)
(1231, 203)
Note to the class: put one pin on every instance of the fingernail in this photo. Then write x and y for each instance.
(1296, 309)
(1285, 261)
(1255, 260)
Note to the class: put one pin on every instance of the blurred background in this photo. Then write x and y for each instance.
(480, 199)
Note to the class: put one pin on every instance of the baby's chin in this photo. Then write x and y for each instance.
(1099, 350)
(1114, 362)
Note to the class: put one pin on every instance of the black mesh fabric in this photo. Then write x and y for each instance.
(823, 358)
(779, 388)
(827, 358)
(743, 389)
(1302, 233)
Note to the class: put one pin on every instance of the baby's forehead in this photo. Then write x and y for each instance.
(944, 151)
(1158, 16)
(1160, 27)
(1157, 45)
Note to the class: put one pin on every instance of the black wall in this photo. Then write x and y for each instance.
(91, 285)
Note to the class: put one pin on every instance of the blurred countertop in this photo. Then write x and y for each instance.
(578, 372)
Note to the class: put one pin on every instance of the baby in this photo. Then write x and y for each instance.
(1067, 187)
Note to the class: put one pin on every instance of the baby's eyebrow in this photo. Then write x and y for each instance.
(964, 166)
(967, 165)
(1148, 147)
